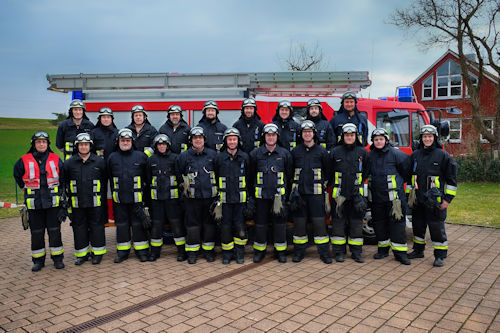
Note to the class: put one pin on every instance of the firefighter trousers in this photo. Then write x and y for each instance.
(200, 225)
(350, 226)
(314, 211)
(390, 233)
(233, 228)
(264, 216)
(39, 221)
(88, 228)
(423, 217)
(126, 219)
(162, 212)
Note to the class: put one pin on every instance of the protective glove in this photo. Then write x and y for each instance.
(249, 209)
(431, 200)
(296, 201)
(140, 212)
(24, 217)
(216, 211)
(278, 208)
(412, 197)
(396, 210)
(185, 185)
(62, 213)
(360, 205)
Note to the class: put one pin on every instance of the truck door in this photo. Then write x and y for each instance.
(397, 123)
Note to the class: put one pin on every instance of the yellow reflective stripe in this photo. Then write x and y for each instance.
(208, 246)
(337, 178)
(141, 245)
(99, 250)
(440, 245)
(38, 253)
(399, 247)
(280, 246)
(180, 241)
(72, 185)
(338, 240)
(321, 239)
(355, 241)
(240, 241)
(259, 177)
(437, 182)
(124, 246)
(192, 248)
(335, 192)
(55, 251)
(418, 240)
(30, 203)
(115, 197)
(74, 202)
(157, 242)
(323, 145)
(82, 252)
(300, 239)
(98, 183)
(228, 246)
(451, 190)
(260, 246)
(384, 243)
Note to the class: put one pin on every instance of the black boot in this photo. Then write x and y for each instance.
(240, 254)
(38, 263)
(227, 256)
(415, 254)
(96, 259)
(181, 253)
(258, 256)
(80, 260)
(402, 257)
(438, 262)
(357, 257)
(58, 261)
(281, 256)
(339, 257)
(382, 252)
(324, 253)
(121, 256)
(143, 255)
(210, 255)
(191, 257)
(155, 253)
(298, 252)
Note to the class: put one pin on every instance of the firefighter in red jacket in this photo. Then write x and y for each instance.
(40, 173)
(85, 179)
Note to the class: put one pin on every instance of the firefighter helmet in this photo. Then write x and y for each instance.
(349, 94)
(197, 130)
(349, 128)
(138, 108)
(429, 129)
(249, 102)
(284, 104)
(174, 109)
(231, 131)
(314, 102)
(125, 133)
(270, 129)
(40, 135)
(308, 124)
(105, 112)
(76, 103)
(210, 104)
(380, 131)
(83, 137)
(161, 138)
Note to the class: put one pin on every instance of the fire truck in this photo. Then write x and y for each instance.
(400, 115)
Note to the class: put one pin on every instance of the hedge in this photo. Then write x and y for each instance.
(478, 169)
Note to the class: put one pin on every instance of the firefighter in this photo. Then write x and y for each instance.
(324, 131)
(349, 113)
(126, 169)
(104, 138)
(197, 166)
(434, 185)
(349, 172)
(232, 167)
(40, 173)
(165, 206)
(310, 162)
(176, 129)
(271, 165)
(212, 127)
(387, 168)
(76, 122)
(85, 179)
(288, 128)
(143, 131)
(249, 125)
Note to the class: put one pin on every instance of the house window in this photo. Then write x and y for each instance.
(427, 88)
(449, 80)
(473, 78)
(488, 123)
(455, 130)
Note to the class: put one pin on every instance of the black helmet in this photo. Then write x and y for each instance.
(161, 138)
(83, 137)
(349, 94)
(197, 130)
(249, 102)
(174, 109)
(105, 112)
(40, 135)
(210, 104)
(380, 131)
(314, 102)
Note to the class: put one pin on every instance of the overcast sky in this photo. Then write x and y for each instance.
(40, 37)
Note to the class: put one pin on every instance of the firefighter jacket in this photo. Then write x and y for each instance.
(67, 132)
(388, 168)
(41, 175)
(104, 138)
(232, 172)
(342, 117)
(349, 169)
(178, 136)
(199, 168)
(311, 168)
(126, 172)
(162, 175)
(271, 171)
(144, 139)
(289, 131)
(250, 131)
(85, 181)
(324, 131)
(433, 167)
(214, 133)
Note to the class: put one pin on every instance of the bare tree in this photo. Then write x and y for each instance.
(473, 27)
(301, 58)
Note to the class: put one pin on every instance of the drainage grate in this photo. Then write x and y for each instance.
(159, 299)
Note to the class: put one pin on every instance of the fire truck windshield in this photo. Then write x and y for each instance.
(397, 124)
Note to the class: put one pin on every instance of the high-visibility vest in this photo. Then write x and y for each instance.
(31, 178)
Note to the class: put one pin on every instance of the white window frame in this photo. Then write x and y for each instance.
(432, 88)
(454, 130)
(448, 86)
(490, 129)
(475, 84)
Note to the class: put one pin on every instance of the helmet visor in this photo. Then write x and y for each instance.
(83, 137)
(307, 125)
(41, 135)
(197, 131)
(379, 131)
(349, 94)
(174, 108)
(77, 104)
(428, 129)
(349, 128)
(125, 133)
(270, 129)
(285, 104)
(137, 108)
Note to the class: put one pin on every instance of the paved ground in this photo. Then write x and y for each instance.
(166, 296)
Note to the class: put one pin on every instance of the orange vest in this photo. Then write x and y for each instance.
(31, 175)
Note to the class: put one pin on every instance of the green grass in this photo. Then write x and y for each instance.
(476, 203)
(15, 138)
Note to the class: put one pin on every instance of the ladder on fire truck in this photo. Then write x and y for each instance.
(161, 86)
